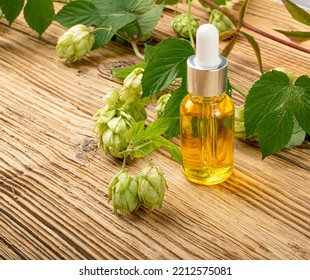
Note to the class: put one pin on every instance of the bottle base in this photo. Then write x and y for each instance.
(210, 177)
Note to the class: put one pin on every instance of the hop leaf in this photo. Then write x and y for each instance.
(218, 2)
(152, 187)
(291, 75)
(75, 43)
(271, 106)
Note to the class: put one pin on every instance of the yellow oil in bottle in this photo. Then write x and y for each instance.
(207, 138)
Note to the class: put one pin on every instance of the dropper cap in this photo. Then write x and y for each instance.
(207, 70)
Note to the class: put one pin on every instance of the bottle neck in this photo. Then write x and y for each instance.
(206, 82)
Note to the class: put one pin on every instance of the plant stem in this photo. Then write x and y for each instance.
(102, 28)
(274, 38)
(124, 162)
(133, 43)
(189, 24)
(241, 92)
(136, 50)
(234, 19)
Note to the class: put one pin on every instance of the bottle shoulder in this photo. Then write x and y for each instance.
(192, 100)
(215, 99)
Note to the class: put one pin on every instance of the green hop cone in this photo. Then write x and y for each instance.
(112, 99)
(123, 192)
(239, 131)
(239, 122)
(75, 43)
(180, 25)
(152, 187)
(148, 99)
(239, 113)
(161, 105)
(132, 89)
(136, 110)
(131, 93)
(111, 129)
(218, 19)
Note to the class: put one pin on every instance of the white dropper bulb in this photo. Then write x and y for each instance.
(207, 47)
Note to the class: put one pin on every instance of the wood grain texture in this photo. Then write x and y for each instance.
(53, 178)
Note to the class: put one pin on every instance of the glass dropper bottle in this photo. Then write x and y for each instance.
(207, 113)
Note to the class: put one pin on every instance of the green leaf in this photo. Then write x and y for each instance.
(148, 52)
(144, 149)
(144, 141)
(149, 20)
(256, 49)
(217, 2)
(108, 27)
(264, 97)
(140, 6)
(304, 82)
(275, 131)
(227, 34)
(129, 18)
(11, 9)
(108, 19)
(135, 131)
(302, 103)
(39, 14)
(130, 6)
(296, 12)
(242, 13)
(78, 12)
(229, 88)
(230, 45)
(158, 127)
(172, 148)
(154, 144)
(144, 23)
(270, 107)
(168, 2)
(124, 72)
(296, 36)
(145, 12)
(173, 111)
(167, 63)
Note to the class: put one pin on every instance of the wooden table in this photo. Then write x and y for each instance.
(53, 177)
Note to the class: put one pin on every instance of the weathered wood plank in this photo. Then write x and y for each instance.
(53, 179)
